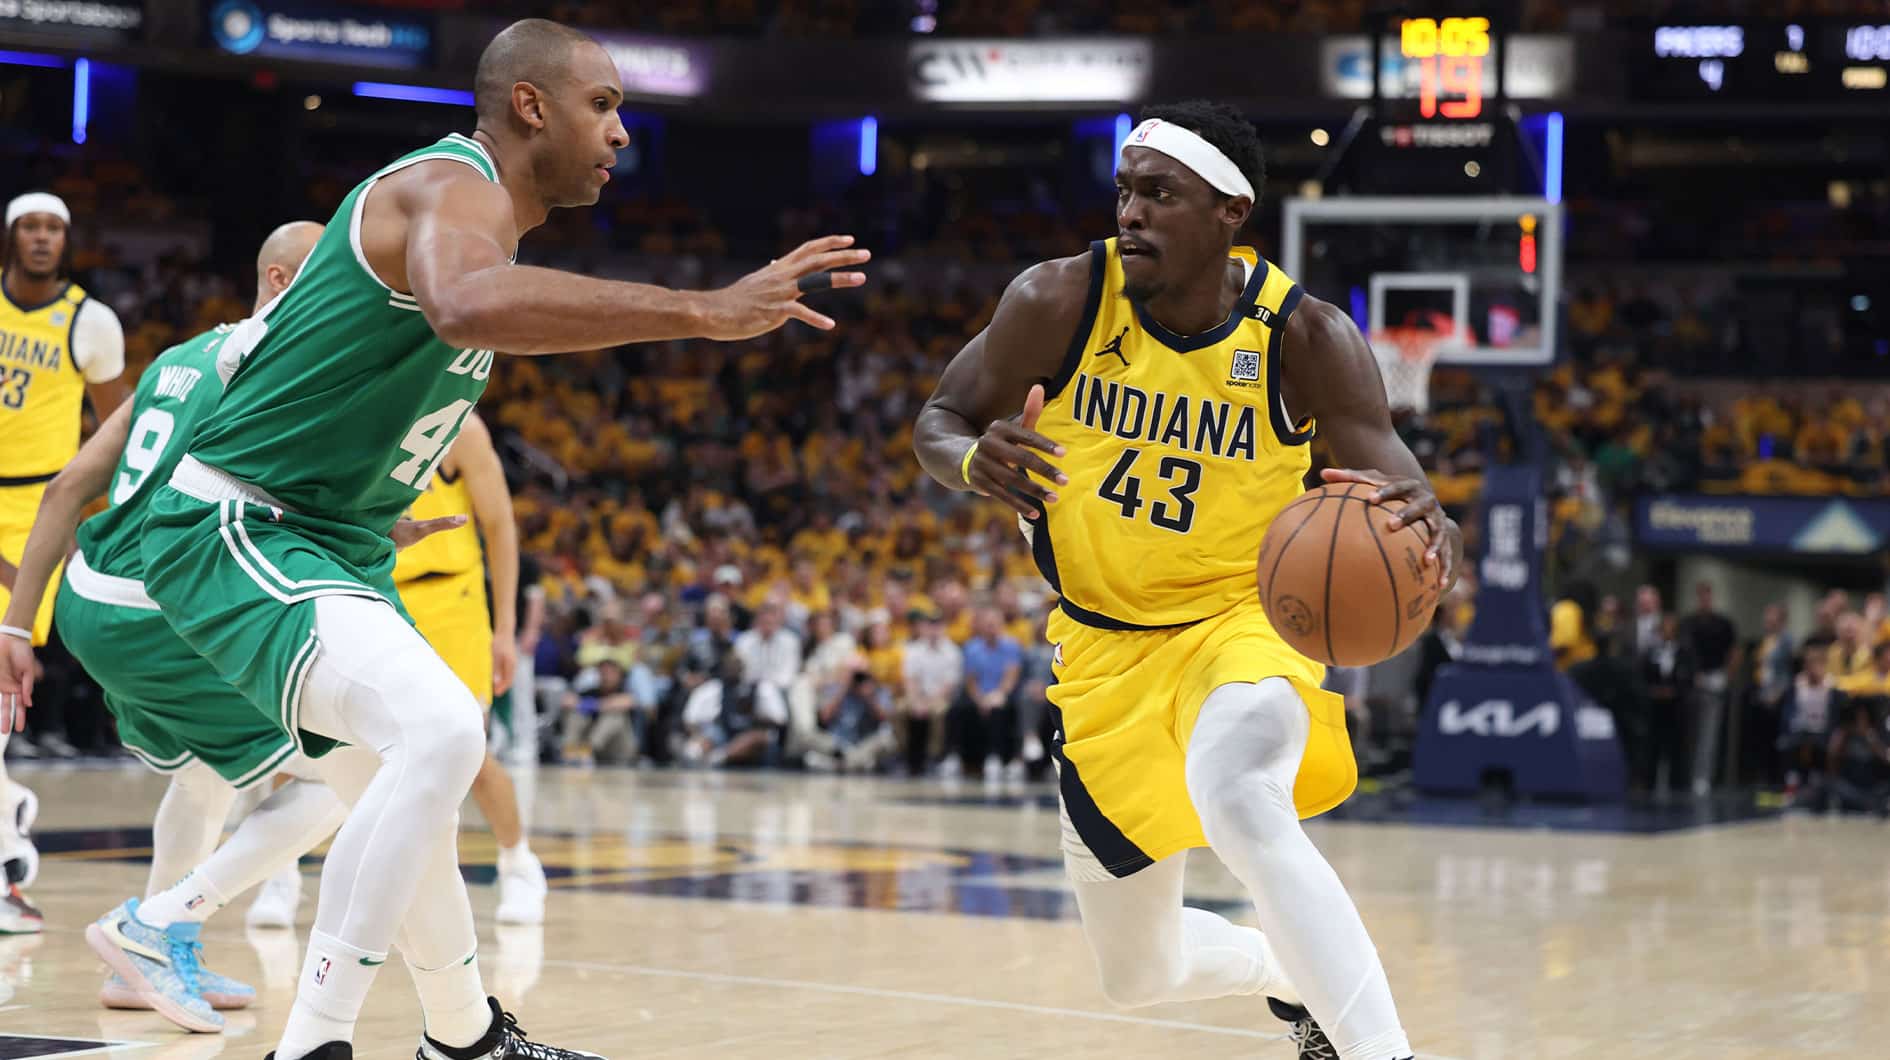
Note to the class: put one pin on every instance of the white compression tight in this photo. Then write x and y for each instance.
(1243, 758)
(288, 822)
(188, 824)
(378, 686)
(1152, 949)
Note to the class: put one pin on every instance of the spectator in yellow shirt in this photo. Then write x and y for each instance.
(1569, 636)
(1850, 653)
(1873, 681)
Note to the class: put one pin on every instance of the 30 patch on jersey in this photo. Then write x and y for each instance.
(1246, 365)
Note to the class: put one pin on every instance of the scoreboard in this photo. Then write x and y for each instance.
(1440, 126)
(1783, 62)
(1455, 63)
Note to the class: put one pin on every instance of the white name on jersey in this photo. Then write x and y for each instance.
(176, 380)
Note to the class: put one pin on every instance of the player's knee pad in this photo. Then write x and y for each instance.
(1243, 758)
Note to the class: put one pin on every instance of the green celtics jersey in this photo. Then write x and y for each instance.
(340, 400)
(171, 399)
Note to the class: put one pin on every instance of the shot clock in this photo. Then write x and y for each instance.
(1451, 55)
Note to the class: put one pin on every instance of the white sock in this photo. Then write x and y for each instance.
(191, 901)
(334, 985)
(453, 1000)
(510, 857)
(440, 947)
(1243, 758)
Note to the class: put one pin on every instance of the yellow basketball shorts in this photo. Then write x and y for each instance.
(450, 612)
(1125, 704)
(18, 507)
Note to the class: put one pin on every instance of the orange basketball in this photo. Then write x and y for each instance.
(1339, 585)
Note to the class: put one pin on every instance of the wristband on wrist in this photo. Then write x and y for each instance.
(15, 631)
(964, 466)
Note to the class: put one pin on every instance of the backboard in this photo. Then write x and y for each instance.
(1486, 269)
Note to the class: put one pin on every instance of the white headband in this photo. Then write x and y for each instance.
(1184, 146)
(37, 202)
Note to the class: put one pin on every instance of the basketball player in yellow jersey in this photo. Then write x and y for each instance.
(58, 346)
(444, 587)
(1169, 387)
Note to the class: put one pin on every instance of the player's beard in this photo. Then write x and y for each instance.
(1141, 292)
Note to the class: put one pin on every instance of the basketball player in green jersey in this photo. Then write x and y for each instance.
(159, 689)
(268, 550)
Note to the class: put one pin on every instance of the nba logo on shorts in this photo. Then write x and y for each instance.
(194, 902)
(1246, 365)
(321, 972)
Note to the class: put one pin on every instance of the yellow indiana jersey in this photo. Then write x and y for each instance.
(451, 552)
(41, 387)
(1179, 454)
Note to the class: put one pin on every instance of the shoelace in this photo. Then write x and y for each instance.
(512, 1036)
(1312, 1042)
(187, 962)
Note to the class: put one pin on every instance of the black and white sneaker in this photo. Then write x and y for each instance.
(1305, 1034)
(505, 1041)
(330, 1051)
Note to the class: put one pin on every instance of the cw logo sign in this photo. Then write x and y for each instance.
(1498, 717)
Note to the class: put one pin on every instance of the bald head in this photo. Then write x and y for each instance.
(534, 50)
(281, 257)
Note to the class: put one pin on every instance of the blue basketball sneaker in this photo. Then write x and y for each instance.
(160, 966)
(223, 992)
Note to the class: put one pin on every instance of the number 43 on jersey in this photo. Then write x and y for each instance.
(1181, 475)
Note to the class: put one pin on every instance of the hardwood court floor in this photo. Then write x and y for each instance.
(767, 916)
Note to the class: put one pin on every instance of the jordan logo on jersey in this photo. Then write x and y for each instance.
(1114, 348)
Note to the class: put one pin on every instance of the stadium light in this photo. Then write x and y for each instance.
(412, 93)
(81, 98)
(50, 62)
(869, 146)
(1552, 158)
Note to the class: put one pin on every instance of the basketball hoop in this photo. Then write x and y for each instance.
(1405, 358)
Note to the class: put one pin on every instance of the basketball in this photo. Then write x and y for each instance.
(1341, 586)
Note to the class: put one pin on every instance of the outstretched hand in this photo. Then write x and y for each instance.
(1005, 456)
(408, 532)
(771, 296)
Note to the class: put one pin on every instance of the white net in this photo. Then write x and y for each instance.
(1406, 356)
